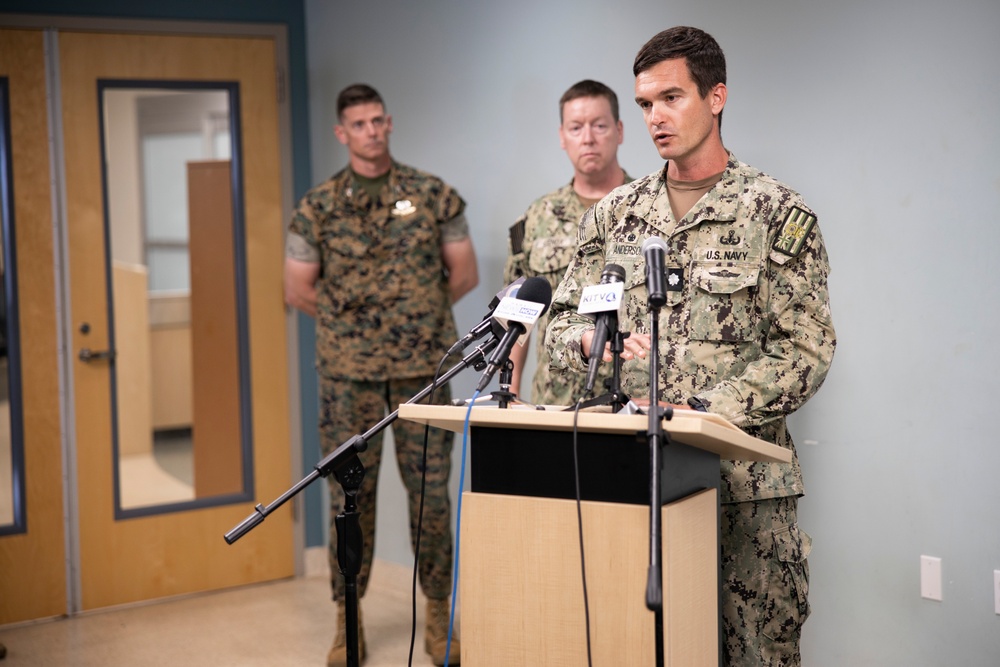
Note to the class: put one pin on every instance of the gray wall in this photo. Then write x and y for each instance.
(884, 115)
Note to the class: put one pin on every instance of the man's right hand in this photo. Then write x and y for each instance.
(636, 346)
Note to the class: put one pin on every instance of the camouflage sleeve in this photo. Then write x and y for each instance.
(446, 204)
(566, 328)
(456, 229)
(517, 261)
(800, 340)
(298, 248)
(304, 221)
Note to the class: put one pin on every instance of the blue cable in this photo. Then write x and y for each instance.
(458, 528)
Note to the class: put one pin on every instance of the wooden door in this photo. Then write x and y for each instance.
(128, 558)
(32, 562)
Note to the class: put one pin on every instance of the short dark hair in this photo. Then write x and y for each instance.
(358, 93)
(589, 88)
(704, 57)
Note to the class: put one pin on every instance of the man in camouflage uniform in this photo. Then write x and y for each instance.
(378, 254)
(745, 332)
(543, 240)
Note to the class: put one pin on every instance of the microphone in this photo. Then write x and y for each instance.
(486, 325)
(654, 250)
(606, 302)
(518, 315)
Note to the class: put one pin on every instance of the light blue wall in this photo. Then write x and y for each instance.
(884, 115)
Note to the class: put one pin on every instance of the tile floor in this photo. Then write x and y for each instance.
(280, 623)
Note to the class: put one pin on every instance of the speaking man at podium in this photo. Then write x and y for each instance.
(745, 325)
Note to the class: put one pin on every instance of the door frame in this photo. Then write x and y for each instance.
(51, 25)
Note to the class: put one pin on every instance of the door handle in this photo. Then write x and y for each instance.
(88, 355)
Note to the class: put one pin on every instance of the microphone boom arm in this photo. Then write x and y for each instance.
(343, 457)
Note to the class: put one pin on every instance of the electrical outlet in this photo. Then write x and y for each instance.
(996, 591)
(930, 578)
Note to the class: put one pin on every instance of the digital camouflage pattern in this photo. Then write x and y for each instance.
(349, 408)
(382, 285)
(747, 329)
(541, 244)
(383, 322)
(765, 583)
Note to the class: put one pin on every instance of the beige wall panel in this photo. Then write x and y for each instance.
(172, 376)
(132, 363)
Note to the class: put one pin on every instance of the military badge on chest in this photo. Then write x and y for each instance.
(403, 208)
(731, 238)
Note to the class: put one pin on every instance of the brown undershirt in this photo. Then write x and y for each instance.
(683, 195)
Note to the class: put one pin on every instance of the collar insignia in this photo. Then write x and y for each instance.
(675, 279)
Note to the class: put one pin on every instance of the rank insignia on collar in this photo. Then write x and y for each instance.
(675, 280)
(794, 232)
(403, 208)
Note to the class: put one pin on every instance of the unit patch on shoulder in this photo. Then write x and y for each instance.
(517, 237)
(794, 232)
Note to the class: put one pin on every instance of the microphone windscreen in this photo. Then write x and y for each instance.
(536, 290)
(613, 273)
(653, 242)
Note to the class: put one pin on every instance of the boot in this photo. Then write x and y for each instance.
(436, 634)
(337, 657)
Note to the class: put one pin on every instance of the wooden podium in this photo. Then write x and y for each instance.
(521, 590)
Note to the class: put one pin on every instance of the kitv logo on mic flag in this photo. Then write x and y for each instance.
(601, 298)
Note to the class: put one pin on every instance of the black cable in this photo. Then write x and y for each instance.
(579, 521)
(420, 519)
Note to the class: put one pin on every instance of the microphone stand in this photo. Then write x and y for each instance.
(615, 397)
(655, 435)
(504, 396)
(348, 470)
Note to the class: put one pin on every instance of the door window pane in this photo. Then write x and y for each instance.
(179, 384)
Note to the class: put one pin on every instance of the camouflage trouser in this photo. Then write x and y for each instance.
(350, 408)
(765, 583)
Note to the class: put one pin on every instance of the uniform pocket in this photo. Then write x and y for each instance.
(722, 307)
(788, 584)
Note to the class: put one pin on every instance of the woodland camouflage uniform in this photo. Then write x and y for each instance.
(383, 322)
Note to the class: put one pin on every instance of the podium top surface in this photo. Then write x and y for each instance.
(703, 430)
